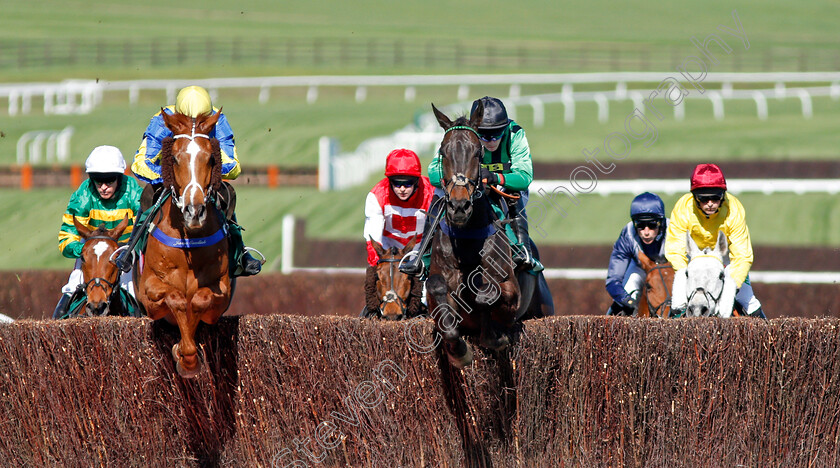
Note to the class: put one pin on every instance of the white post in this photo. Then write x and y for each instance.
(311, 94)
(539, 112)
(717, 104)
(807, 108)
(679, 111)
(326, 153)
(463, 92)
(361, 93)
(288, 245)
(760, 105)
(603, 107)
(133, 95)
(410, 93)
(264, 93)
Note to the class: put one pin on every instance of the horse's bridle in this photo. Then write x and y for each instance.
(100, 281)
(460, 179)
(192, 146)
(667, 302)
(711, 299)
(391, 295)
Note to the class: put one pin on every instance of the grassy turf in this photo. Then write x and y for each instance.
(29, 236)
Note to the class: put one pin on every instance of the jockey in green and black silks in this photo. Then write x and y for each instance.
(506, 163)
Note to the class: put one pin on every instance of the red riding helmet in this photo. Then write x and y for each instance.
(707, 176)
(402, 162)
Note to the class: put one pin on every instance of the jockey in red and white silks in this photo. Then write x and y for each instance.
(395, 209)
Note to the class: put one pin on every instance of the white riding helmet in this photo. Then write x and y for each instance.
(106, 159)
(193, 101)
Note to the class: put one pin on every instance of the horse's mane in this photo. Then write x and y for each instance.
(166, 163)
(100, 230)
(462, 120)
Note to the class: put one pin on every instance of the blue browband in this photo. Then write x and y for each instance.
(180, 243)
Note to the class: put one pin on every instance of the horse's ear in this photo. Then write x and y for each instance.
(477, 114)
(411, 243)
(645, 261)
(207, 123)
(722, 246)
(84, 231)
(169, 120)
(691, 246)
(118, 230)
(377, 247)
(442, 119)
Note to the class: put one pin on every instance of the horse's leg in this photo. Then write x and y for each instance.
(185, 352)
(446, 322)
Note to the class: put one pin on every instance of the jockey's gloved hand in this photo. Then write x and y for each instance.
(491, 177)
(629, 302)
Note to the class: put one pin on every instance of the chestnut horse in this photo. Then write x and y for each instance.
(655, 296)
(185, 275)
(102, 278)
(472, 287)
(395, 295)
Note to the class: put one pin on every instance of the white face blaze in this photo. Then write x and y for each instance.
(99, 249)
(193, 188)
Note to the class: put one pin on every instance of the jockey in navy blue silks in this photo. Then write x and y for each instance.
(645, 232)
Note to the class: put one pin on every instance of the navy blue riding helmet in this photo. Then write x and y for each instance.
(647, 206)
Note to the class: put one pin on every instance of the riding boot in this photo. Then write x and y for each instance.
(246, 264)
(62, 307)
(414, 265)
(522, 255)
(758, 314)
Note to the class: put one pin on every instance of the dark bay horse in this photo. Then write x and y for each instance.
(102, 278)
(655, 296)
(185, 276)
(394, 295)
(472, 288)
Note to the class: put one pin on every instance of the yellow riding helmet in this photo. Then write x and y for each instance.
(193, 101)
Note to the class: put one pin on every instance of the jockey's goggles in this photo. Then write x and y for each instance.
(106, 178)
(403, 181)
(709, 197)
(491, 135)
(646, 223)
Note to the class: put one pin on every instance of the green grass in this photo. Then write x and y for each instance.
(29, 237)
(285, 130)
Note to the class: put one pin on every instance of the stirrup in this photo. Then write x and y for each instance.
(251, 249)
(119, 256)
(413, 266)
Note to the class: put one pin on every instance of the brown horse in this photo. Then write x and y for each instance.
(394, 295)
(102, 277)
(655, 296)
(185, 272)
(472, 287)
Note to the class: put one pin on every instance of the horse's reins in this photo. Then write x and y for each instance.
(391, 295)
(193, 149)
(666, 302)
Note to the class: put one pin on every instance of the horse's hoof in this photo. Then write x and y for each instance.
(462, 356)
(498, 343)
(183, 371)
(494, 340)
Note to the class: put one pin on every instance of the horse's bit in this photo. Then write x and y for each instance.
(192, 148)
(667, 302)
(391, 295)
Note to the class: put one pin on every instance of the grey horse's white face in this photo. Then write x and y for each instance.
(706, 279)
(704, 284)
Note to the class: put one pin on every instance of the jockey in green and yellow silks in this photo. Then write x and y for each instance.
(192, 101)
(709, 208)
(107, 197)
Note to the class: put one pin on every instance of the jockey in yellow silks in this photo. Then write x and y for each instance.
(709, 208)
(192, 101)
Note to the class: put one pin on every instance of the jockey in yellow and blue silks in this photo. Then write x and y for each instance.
(644, 233)
(709, 208)
(506, 162)
(192, 101)
(107, 197)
